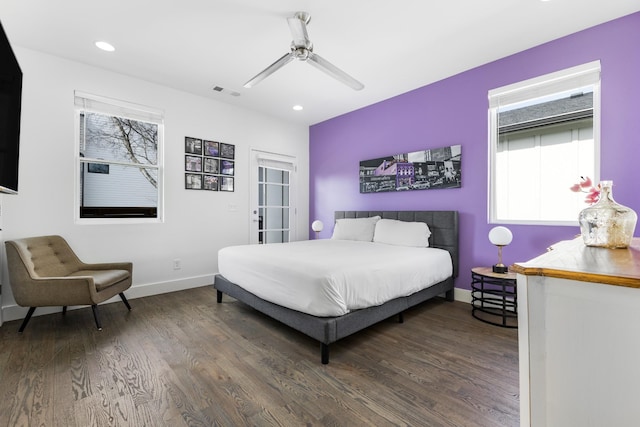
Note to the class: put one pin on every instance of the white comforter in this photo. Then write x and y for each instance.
(332, 277)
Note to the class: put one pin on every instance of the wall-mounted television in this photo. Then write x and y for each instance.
(10, 103)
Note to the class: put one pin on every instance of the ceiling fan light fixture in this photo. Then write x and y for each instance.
(107, 47)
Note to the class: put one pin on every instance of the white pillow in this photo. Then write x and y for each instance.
(360, 229)
(402, 233)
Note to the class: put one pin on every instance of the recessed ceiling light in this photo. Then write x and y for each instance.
(105, 46)
(298, 107)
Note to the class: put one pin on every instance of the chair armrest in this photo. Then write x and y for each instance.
(108, 266)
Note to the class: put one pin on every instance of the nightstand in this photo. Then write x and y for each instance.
(494, 297)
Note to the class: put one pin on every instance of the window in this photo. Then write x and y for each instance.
(119, 159)
(543, 136)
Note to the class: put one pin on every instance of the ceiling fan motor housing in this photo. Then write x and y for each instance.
(301, 52)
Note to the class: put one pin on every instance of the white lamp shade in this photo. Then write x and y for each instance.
(317, 226)
(500, 236)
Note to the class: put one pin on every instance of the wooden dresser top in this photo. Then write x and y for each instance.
(572, 260)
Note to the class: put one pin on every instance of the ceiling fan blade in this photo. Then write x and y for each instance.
(298, 26)
(284, 60)
(335, 72)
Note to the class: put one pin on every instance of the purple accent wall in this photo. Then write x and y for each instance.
(454, 111)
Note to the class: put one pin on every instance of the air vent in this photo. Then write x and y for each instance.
(225, 91)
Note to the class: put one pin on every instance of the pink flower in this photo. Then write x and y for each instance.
(586, 186)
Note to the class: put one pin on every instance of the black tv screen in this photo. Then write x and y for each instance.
(10, 103)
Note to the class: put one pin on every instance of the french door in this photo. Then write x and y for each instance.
(272, 209)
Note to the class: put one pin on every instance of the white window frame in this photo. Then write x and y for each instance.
(103, 105)
(579, 76)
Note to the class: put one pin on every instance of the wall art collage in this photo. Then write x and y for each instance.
(208, 165)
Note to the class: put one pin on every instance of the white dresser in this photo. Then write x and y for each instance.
(579, 336)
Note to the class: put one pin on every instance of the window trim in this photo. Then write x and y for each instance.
(563, 80)
(103, 105)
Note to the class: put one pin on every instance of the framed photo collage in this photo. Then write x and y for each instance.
(208, 165)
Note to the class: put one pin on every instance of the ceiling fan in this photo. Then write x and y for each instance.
(302, 49)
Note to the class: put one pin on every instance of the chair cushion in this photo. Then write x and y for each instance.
(103, 278)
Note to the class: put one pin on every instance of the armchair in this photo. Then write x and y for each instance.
(44, 271)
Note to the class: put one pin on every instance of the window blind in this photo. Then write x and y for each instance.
(114, 107)
(560, 81)
(275, 163)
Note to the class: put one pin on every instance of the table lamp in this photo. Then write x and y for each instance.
(317, 226)
(500, 236)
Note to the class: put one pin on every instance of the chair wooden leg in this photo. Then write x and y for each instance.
(26, 319)
(124, 300)
(64, 310)
(94, 307)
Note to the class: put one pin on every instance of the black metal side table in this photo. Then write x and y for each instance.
(494, 297)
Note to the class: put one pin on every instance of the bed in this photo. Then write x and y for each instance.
(329, 326)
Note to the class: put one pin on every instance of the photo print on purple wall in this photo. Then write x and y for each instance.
(419, 170)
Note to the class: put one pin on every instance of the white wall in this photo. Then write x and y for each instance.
(197, 223)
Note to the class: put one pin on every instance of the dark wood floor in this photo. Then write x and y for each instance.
(180, 359)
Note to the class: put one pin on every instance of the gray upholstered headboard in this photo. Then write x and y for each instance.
(443, 226)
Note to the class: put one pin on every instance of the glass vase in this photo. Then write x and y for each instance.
(607, 224)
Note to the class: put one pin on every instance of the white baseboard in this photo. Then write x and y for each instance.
(15, 312)
(462, 295)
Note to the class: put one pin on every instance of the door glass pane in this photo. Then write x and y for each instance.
(261, 218)
(275, 175)
(275, 196)
(273, 219)
(276, 218)
(277, 236)
(273, 205)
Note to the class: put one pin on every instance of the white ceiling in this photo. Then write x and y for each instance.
(390, 46)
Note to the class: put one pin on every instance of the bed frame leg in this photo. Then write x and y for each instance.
(401, 317)
(219, 296)
(324, 353)
(449, 295)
